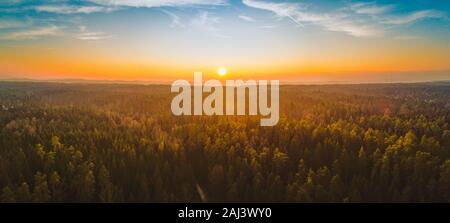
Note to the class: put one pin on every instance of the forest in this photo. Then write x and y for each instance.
(94, 142)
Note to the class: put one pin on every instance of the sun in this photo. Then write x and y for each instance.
(222, 71)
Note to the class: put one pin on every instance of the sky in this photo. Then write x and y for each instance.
(163, 40)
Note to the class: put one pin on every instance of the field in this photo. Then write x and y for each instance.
(87, 142)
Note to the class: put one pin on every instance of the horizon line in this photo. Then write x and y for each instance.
(155, 82)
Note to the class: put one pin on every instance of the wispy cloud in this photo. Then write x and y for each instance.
(33, 33)
(364, 19)
(289, 10)
(92, 36)
(176, 21)
(329, 21)
(247, 18)
(413, 17)
(359, 19)
(267, 27)
(12, 23)
(206, 22)
(370, 8)
(72, 9)
(157, 3)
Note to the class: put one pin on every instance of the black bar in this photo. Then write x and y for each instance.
(284, 212)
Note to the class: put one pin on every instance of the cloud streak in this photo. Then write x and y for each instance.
(12, 23)
(414, 17)
(329, 21)
(33, 33)
(370, 8)
(366, 19)
(157, 3)
(358, 19)
(72, 9)
(247, 18)
(92, 36)
(206, 22)
(176, 21)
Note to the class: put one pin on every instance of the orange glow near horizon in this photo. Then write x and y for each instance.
(83, 62)
(255, 39)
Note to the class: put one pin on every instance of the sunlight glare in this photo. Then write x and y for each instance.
(222, 71)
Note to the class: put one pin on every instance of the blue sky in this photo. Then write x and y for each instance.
(354, 18)
(269, 34)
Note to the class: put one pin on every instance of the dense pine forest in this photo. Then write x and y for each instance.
(121, 143)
